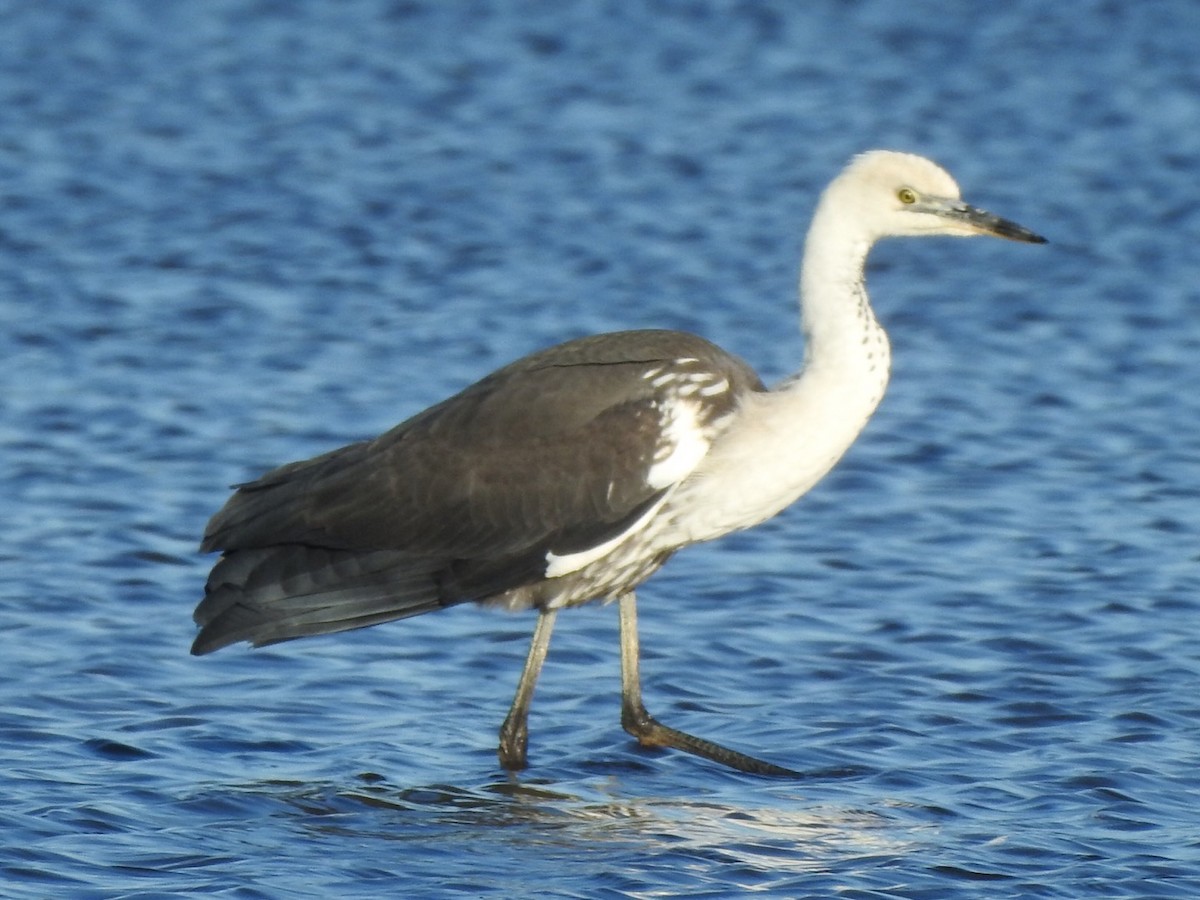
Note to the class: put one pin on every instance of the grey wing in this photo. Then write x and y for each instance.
(551, 455)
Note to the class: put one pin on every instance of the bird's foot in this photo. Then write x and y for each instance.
(652, 733)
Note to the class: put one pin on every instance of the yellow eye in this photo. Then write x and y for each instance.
(907, 196)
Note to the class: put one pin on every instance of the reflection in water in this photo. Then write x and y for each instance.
(778, 837)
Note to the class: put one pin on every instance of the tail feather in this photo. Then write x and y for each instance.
(289, 591)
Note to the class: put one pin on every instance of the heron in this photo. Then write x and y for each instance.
(574, 473)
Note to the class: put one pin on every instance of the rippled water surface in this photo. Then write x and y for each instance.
(238, 233)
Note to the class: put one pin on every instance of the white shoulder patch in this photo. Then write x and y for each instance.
(683, 445)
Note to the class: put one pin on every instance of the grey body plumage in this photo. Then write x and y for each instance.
(466, 500)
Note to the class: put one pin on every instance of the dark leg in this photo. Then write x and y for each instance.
(514, 733)
(652, 733)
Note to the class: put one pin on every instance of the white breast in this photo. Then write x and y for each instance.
(778, 445)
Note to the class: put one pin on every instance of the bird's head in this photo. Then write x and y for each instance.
(886, 193)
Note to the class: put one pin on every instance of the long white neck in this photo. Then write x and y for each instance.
(841, 333)
(784, 441)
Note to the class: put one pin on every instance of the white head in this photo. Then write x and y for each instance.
(883, 193)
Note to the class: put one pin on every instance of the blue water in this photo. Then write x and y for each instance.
(238, 233)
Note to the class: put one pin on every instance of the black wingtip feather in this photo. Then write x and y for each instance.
(276, 594)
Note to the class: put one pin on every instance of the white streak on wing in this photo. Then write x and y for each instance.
(684, 445)
(572, 562)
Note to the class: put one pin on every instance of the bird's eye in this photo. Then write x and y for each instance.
(907, 196)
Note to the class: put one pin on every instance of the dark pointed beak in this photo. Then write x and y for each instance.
(983, 222)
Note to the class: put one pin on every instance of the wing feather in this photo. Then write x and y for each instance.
(460, 502)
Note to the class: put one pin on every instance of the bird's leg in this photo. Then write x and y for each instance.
(514, 733)
(652, 733)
